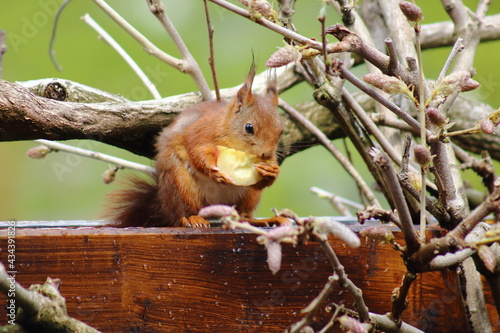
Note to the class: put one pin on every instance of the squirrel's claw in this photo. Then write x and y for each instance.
(195, 221)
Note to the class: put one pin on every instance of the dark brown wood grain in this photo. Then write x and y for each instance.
(212, 280)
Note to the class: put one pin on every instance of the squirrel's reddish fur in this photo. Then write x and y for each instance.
(187, 178)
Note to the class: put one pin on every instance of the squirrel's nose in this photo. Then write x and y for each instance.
(266, 156)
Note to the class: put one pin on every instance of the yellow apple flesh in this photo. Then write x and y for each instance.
(238, 165)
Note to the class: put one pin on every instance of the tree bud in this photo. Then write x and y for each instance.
(422, 155)
(470, 84)
(283, 56)
(388, 84)
(38, 152)
(454, 82)
(412, 12)
(436, 117)
(487, 126)
(109, 176)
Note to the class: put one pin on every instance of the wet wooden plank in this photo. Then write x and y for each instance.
(200, 280)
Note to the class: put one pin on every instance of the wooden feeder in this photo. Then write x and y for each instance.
(215, 280)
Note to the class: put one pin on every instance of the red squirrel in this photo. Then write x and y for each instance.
(187, 177)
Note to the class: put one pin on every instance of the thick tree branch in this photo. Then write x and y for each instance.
(126, 124)
(133, 125)
(442, 33)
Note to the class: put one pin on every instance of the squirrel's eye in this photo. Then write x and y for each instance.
(249, 128)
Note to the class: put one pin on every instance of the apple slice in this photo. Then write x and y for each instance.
(238, 165)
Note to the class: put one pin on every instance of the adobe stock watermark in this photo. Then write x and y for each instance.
(11, 272)
(292, 279)
(157, 74)
(31, 25)
(489, 86)
(71, 161)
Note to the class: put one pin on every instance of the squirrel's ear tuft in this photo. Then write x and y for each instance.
(272, 90)
(244, 95)
(251, 74)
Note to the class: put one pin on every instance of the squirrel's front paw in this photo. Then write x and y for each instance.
(267, 170)
(220, 176)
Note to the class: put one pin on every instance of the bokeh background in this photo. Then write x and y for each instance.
(67, 187)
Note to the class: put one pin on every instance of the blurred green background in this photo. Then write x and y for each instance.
(64, 186)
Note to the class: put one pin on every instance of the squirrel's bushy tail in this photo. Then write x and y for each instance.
(136, 205)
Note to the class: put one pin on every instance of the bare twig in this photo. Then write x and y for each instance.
(315, 305)
(52, 51)
(44, 307)
(455, 239)
(457, 47)
(472, 130)
(336, 200)
(141, 39)
(442, 33)
(385, 323)
(393, 56)
(382, 120)
(344, 281)
(270, 25)
(435, 35)
(483, 167)
(330, 323)
(185, 66)
(322, 18)
(466, 27)
(192, 68)
(108, 39)
(3, 49)
(398, 198)
(23, 296)
(211, 58)
(451, 259)
(345, 8)
(370, 126)
(399, 296)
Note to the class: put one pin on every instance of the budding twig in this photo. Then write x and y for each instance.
(335, 152)
(97, 156)
(379, 98)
